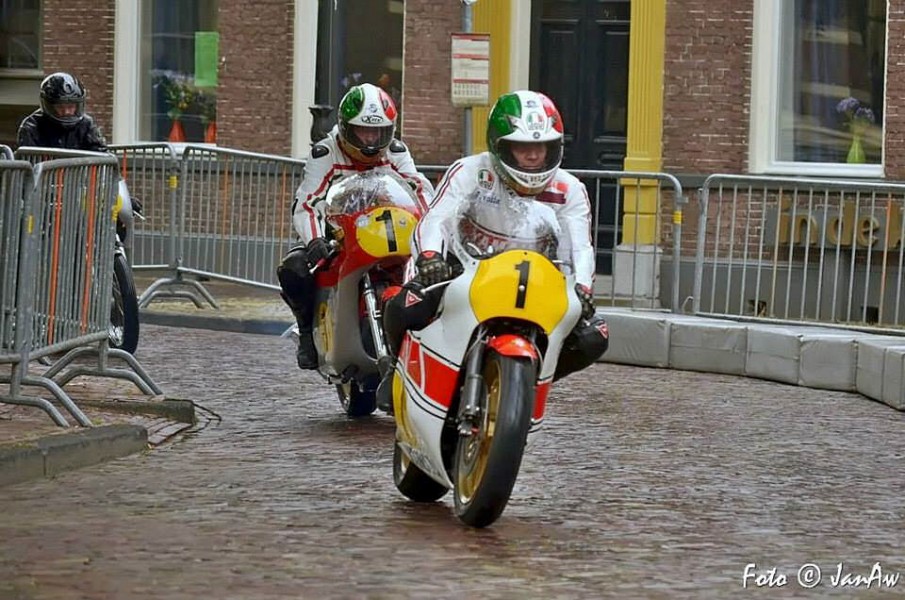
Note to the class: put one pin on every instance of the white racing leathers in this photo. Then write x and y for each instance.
(328, 163)
(565, 194)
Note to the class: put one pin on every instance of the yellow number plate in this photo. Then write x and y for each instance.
(385, 232)
(520, 284)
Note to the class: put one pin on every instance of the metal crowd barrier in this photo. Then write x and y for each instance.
(6, 153)
(634, 250)
(218, 213)
(151, 172)
(58, 276)
(232, 220)
(801, 251)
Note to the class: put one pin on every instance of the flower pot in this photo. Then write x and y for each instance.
(177, 134)
(210, 133)
(856, 151)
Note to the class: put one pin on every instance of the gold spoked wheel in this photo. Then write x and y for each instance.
(487, 462)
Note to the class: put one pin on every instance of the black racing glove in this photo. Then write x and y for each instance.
(319, 252)
(432, 268)
(586, 296)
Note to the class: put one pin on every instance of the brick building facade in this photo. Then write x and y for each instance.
(707, 84)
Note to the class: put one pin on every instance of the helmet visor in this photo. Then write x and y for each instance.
(65, 111)
(530, 157)
(369, 140)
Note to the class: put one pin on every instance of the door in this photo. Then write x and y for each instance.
(579, 57)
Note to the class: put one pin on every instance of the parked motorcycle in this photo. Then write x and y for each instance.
(371, 216)
(124, 321)
(470, 388)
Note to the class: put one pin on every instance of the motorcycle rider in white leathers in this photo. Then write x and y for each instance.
(362, 140)
(524, 137)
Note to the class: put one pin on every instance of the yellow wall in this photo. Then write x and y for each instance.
(493, 17)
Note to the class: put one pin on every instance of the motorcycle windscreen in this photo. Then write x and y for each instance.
(516, 242)
(378, 208)
(368, 190)
(488, 224)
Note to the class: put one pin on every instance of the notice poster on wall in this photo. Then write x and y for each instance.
(207, 50)
(470, 69)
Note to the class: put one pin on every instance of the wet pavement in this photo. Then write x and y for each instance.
(646, 483)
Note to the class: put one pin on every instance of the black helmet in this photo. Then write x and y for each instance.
(63, 89)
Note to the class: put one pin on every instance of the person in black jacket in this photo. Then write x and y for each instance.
(61, 122)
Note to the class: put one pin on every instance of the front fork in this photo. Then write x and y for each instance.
(472, 387)
(384, 360)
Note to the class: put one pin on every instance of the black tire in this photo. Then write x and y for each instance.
(357, 402)
(412, 482)
(124, 325)
(487, 463)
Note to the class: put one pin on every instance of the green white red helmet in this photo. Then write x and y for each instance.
(519, 117)
(369, 107)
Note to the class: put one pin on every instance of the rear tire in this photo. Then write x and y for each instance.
(412, 482)
(487, 463)
(356, 402)
(124, 323)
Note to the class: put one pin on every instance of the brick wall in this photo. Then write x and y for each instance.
(78, 38)
(707, 86)
(431, 126)
(254, 91)
(895, 91)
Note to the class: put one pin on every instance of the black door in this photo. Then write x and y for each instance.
(579, 57)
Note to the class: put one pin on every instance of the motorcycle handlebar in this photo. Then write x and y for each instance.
(334, 250)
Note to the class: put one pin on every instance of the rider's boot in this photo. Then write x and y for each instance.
(306, 354)
(384, 393)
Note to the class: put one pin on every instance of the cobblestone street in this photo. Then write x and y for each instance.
(646, 483)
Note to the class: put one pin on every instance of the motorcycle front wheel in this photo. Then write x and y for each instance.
(124, 309)
(487, 462)
(412, 482)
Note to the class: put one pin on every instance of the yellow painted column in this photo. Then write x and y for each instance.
(644, 151)
(493, 17)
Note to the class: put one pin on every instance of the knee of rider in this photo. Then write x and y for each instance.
(295, 261)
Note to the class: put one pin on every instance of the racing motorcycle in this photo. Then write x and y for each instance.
(470, 387)
(371, 217)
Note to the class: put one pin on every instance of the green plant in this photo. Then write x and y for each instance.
(178, 91)
(207, 106)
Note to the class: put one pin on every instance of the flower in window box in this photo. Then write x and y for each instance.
(207, 106)
(178, 93)
(858, 118)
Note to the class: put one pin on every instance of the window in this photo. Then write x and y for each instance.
(20, 34)
(818, 87)
(178, 70)
(349, 52)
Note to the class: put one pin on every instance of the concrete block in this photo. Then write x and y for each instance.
(710, 345)
(829, 359)
(871, 358)
(69, 451)
(637, 338)
(894, 377)
(773, 352)
(20, 462)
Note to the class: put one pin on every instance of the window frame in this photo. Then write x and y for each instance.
(766, 71)
(127, 61)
